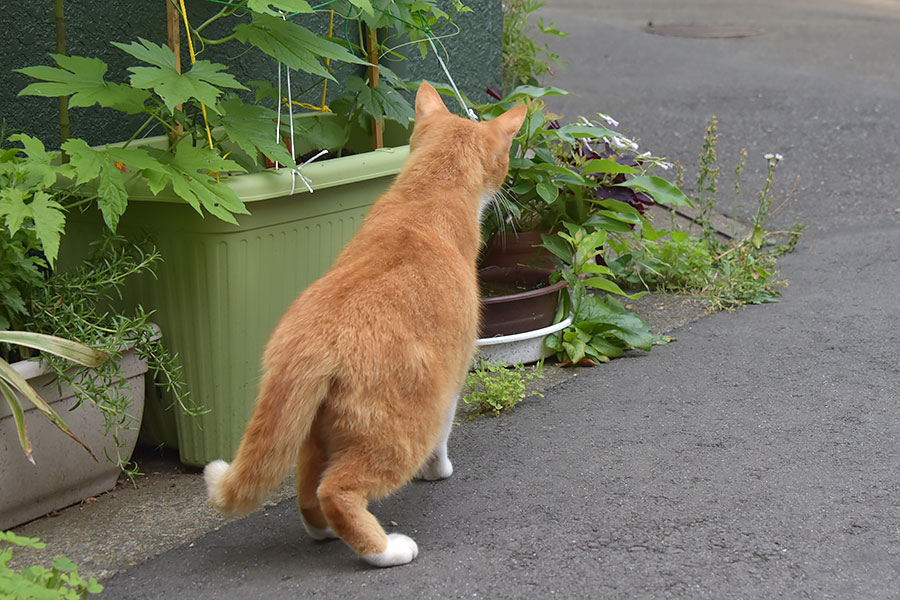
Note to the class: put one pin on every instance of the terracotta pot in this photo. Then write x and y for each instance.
(517, 311)
(517, 250)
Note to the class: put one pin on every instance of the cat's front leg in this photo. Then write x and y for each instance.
(438, 465)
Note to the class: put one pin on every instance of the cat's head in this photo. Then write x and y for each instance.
(492, 138)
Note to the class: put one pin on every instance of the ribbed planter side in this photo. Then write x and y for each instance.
(222, 288)
(63, 473)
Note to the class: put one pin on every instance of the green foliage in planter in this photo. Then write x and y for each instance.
(494, 387)
(565, 173)
(202, 113)
(60, 582)
(75, 305)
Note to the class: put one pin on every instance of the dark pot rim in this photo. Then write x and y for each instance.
(549, 289)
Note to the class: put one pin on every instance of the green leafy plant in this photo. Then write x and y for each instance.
(213, 132)
(73, 306)
(601, 327)
(582, 173)
(727, 274)
(524, 60)
(494, 387)
(59, 582)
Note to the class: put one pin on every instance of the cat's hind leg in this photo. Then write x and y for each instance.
(438, 465)
(311, 463)
(347, 485)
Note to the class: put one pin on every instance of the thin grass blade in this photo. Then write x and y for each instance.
(19, 417)
(17, 382)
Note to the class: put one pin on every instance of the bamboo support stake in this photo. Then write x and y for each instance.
(173, 36)
(372, 51)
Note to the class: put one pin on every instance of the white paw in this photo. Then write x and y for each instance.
(436, 468)
(317, 533)
(400, 550)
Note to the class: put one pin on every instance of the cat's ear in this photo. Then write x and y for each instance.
(509, 123)
(428, 102)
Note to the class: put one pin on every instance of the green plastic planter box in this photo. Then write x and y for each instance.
(222, 288)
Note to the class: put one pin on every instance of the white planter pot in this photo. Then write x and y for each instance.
(63, 473)
(526, 347)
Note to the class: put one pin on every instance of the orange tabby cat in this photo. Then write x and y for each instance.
(362, 373)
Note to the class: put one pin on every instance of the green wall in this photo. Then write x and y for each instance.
(474, 57)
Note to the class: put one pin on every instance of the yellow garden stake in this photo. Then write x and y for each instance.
(187, 28)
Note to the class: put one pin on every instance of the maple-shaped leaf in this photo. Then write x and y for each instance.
(252, 128)
(279, 7)
(83, 159)
(379, 101)
(13, 208)
(292, 44)
(190, 172)
(203, 82)
(81, 79)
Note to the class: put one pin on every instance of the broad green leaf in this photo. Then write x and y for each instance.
(84, 159)
(365, 5)
(605, 165)
(82, 79)
(189, 172)
(680, 236)
(112, 198)
(547, 191)
(605, 349)
(149, 52)
(557, 246)
(22, 541)
(13, 208)
(621, 216)
(608, 224)
(67, 349)
(758, 236)
(295, 46)
(532, 91)
(252, 128)
(18, 417)
(277, 7)
(202, 82)
(49, 223)
(597, 269)
(610, 286)
(63, 564)
(661, 190)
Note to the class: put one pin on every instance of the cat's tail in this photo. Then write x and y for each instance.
(280, 424)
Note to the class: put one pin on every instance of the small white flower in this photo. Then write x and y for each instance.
(778, 157)
(768, 156)
(665, 166)
(645, 154)
(608, 119)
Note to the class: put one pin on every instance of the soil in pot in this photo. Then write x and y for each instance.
(516, 299)
(517, 250)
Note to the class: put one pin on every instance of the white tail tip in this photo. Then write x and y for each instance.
(214, 473)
